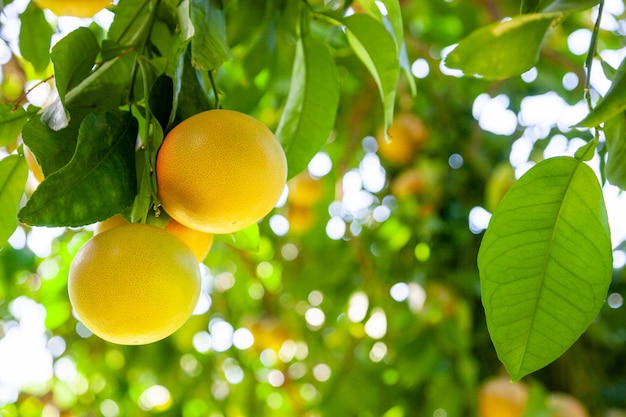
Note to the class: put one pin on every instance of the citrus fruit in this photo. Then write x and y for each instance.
(407, 135)
(220, 171)
(499, 397)
(134, 284)
(304, 190)
(565, 405)
(33, 165)
(77, 8)
(199, 242)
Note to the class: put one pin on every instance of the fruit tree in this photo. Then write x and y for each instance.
(312, 208)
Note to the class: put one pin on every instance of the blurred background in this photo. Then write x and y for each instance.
(363, 298)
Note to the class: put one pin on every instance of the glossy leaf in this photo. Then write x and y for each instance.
(131, 21)
(73, 57)
(613, 102)
(35, 34)
(311, 107)
(208, 45)
(504, 49)
(615, 133)
(98, 182)
(11, 121)
(53, 148)
(13, 176)
(545, 264)
(189, 95)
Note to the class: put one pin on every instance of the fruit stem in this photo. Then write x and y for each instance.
(215, 90)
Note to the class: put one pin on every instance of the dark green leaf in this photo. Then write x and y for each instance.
(13, 176)
(53, 148)
(131, 22)
(161, 99)
(567, 6)
(247, 239)
(309, 114)
(208, 45)
(35, 34)
(376, 48)
(190, 95)
(613, 102)
(503, 49)
(99, 181)
(106, 88)
(73, 58)
(11, 121)
(615, 133)
(545, 264)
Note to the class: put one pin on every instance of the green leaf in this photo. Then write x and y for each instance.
(98, 182)
(529, 6)
(376, 48)
(247, 239)
(131, 21)
(208, 45)
(567, 6)
(13, 176)
(73, 58)
(615, 133)
(190, 96)
(34, 39)
(106, 88)
(613, 102)
(504, 49)
(11, 121)
(309, 114)
(545, 264)
(53, 148)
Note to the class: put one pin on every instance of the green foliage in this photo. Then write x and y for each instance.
(545, 264)
(326, 76)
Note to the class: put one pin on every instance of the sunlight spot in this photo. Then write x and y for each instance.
(530, 75)
(619, 259)
(18, 238)
(376, 325)
(357, 307)
(155, 397)
(315, 298)
(417, 297)
(232, 371)
(322, 372)
(268, 357)
(570, 81)
(335, 228)
(275, 378)
(399, 291)
(243, 338)
(109, 408)
(40, 239)
(372, 173)
(493, 114)
(478, 219)
(615, 300)
(455, 161)
(314, 317)
(320, 165)
(420, 68)
(378, 352)
(289, 251)
(221, 334)
(279, 224)
(202, 341)
(578, 41)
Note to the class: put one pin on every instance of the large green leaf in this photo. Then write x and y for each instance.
(615, 133)
(73, 58)
(208, 45)
(98, 182)
(503, 49)
(34, 38)
(132, 19)
(13, 176)
(613, 102)
(53, 148)
(376, 48)
(309, 114)
(11, 121)
(545, 264)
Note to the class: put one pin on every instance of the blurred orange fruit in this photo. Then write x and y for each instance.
(565, 405)
(304, 190)
(498, 397)
(77, 8)
(407, 135)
